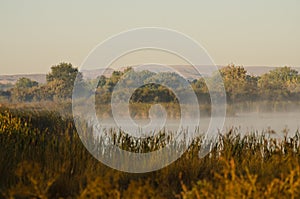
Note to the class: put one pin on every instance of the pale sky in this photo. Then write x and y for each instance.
(37, 34)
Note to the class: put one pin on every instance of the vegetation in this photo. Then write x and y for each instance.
(276, 85)
(277, 90)
(42, 157)
(59, 86)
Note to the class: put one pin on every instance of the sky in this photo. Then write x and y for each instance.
(35, 35)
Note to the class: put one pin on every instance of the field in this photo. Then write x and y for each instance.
(42, 157)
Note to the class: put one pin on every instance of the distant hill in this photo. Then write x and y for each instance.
(259, 70)
(12, 79)
(190, 72)
(93, 74)
(187, 71)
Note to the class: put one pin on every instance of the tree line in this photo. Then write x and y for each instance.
(282, 83)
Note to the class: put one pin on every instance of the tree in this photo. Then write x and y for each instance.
(101, 81)
(278, 83)
(235, 82)
(61, 80)
(5, 87)
(23, 88)
(25, 83)
(201, 90)
(4, 95)
(251, 89)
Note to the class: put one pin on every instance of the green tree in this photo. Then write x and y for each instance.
(23, 88)
(25, 83)
(5, 87)
(101, 81)
(201, 90)
(4, 95)
(61, 80)
(234, 78)
(235, 82)
(278, 83)
(251, 89)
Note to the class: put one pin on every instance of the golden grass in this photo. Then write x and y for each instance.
(42, 157)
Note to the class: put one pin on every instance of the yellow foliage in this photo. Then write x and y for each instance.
(230, 184)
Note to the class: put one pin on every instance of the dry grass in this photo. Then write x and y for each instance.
(42, 157)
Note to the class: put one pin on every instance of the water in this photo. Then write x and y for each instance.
(277, 123)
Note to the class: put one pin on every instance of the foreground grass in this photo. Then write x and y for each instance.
(42, 157)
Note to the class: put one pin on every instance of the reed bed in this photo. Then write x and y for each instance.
(42, 156)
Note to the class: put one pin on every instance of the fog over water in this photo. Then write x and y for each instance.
(277, 123)
(254, 115)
